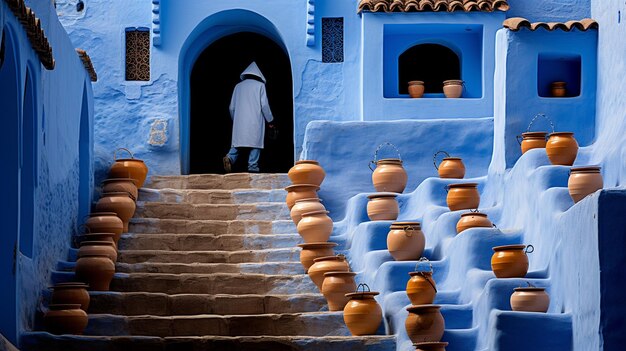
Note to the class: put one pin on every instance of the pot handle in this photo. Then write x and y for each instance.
(529, 249)
(408, 231)
(123, 149)
(364, 286)
(370, 165)
(535, 118)
(435, 157)
(424, 260)
(446, 188)
(519, 139)
(380, 147)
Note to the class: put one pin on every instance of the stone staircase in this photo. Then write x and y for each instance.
(210, 263)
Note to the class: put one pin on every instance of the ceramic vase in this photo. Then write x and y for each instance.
(65, 319)
(315, 250)
(335, 287)
(510, 261)
(120, 203)
(430, 346)
(70, 293)
(121, 185)
(530, 299)
(416, 89)
(389, 175)
(129, 168)
(383, 207)
(97, 270)
(315, 226)
(406, 241)
(322, 265)
(533, 140)
(362, 314)
(307, 172)
(562, 148)
(584, 181)
(305, 205)
(558, 89)
(463, 196)
(421, 288)
(453, 88)
(424, 323)
(300, 191)
(473, 220)
(106, 248)
(105, 222)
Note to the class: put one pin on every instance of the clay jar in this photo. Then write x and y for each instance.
(510, 261)
(406, 241)
(430, 346)
(106, 248)
(533, 140)
(562, 148)
(300, 191)
(121, 185)
(530, 299)
(129, 168)
(120, 203)
(416, 88)
(65, 319)
(70, 293)
(389, 175)
(451, 167)
(584, 181)
(453, 88)
(558, 89)
(463, 196)
(306, 172)
(315, 250)
(315, 226)
(108, 237)
(424, 323)
(362, 314)
(421, 288)
(335, 287)
(305, 205)
(97, 270)
(322, 265)
(473, 220)
(105, 222)
(383, 207)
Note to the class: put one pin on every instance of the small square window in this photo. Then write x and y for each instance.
(332, 40)
(138, 54)
(560, 70)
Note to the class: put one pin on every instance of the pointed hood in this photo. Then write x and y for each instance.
(254, 70)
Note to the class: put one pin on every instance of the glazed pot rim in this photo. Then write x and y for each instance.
(381, 195)
(317, 245)
(534, 134)
(451, 158)
(313, 162)
(416, 82)
(329, 258)
(129, 159)
(96, 243)
(389, 161)
(327, 274)
(362, 295)
(294, 186)
(103, 214)
(474, 214)
(463, 185)
(414, 273)
(309, 199)
(64, 306)
(530, 288)
(312, 213)
(561, 133)
(509, 247)
(585, 169)
(111, 180)
(422, 307)
(433, 343)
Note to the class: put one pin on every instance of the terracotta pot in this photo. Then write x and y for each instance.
(300, 191)
(406, 241)
(451, 167)
(322, 265)
(530, 299)
(533, 140)
(95, 270)
(389, 175)
(108, 237)
(421, 288)
(312, 251)
(424, 323)
(105, 222)
(416, 88)
(383, 207)
(453, 88)
(65, 319)
(129, 168)
(430, 346)
(315, 226)
(335, 287)
(70, 293)
(473, 220)
(307, 172)
(98, 248)
(120, 203)
(558, 89)
(562, 148)
(121, 185)
(463, 196)
(305, 205)
(584, 181)
(510, 261)
(362, 314)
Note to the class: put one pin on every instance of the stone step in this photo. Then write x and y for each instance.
(226, 242)
(219, 283)
(218, 181)
(296, 324)
(182, 226)
(245, 256)
(266, 211)
(216, 196)
(40, 341)
(159, 304)
(275, 268)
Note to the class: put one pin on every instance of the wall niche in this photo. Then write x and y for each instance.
(559, 67)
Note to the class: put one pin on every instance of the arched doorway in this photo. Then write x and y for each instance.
(213, 78)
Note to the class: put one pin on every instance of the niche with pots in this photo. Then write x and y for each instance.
(558, 75)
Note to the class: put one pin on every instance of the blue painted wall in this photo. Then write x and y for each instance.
(42, 128)
(550, 10)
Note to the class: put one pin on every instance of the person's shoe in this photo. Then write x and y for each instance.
(228, 167)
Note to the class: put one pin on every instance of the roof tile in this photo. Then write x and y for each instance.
(432, 5)
(517, 23)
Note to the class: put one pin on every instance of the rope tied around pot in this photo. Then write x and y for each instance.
(375, 161)
(435, 157)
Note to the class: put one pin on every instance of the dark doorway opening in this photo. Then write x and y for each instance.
(213, 78)
(431, 63)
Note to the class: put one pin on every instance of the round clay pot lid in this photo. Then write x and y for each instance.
(431, 343)
(339, 273)
(421, 307)
(530, 288)
(317, 245)
(416, 82)
(383, 194)
(328, 258)
(362, 295)
(586, 169)
(535, 134)
(295, 186)
(317, 199)
(561, 133)
(64, 306)
(463, 185)
(312, 213)
(307, 161)
(129, 160)
(474, 214)
(509, 247)
(97, 214)
(389, 160)
(111, 180)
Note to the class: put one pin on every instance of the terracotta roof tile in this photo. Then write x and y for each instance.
(517, 23)
(36, 36)
(84, 57)
(432, 5)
